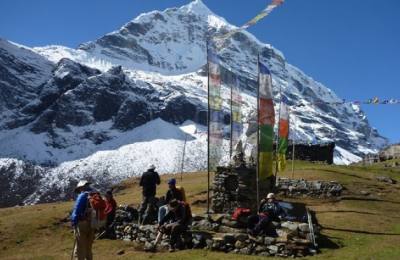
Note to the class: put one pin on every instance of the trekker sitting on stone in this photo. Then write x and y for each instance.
(149, 181)
(172, 193)
(84, 233)
(269, 211)
(176, 222)
(272, 207)
(110, 210)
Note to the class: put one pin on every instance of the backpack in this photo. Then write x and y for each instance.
(182, 191)
(96, 207)
(240, 213)
(188, 212)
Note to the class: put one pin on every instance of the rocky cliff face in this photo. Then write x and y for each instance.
(130, 98)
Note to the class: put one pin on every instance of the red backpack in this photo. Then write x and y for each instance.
(241, 212)
(97, 206)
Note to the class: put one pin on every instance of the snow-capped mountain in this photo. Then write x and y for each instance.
(107, 109)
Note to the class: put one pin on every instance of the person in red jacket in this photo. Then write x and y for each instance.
(111, 208)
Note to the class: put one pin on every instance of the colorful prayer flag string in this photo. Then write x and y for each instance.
(275, 3)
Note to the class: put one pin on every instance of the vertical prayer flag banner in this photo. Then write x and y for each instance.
(216, 117)
(231, 81)
(283, 136)
(266, 121)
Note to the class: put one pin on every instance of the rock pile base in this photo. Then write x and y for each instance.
(300, 187)
(220, 233)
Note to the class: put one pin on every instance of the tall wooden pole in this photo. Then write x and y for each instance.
(208, 133)
(293, 143)
(258, 134)
(183, 157)
(231, 141)
(277, 136)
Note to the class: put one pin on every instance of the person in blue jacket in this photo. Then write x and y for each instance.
(80, 220)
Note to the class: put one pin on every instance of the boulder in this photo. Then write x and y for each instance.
(290, 225)
(269, 240)
(273, 249)
(304, 227)
(241, 236)
(240, 244)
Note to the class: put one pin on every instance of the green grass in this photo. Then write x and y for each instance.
(359, 227)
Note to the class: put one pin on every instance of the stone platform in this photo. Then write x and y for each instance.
(220, 233)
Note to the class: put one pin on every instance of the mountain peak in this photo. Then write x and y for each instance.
(198, 7)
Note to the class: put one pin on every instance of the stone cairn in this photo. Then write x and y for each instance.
(221, 233)
(299, 187)
(235, 187)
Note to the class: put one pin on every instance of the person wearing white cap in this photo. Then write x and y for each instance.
(271, 206)
(269, 211)
(84, 234)
(149, 181)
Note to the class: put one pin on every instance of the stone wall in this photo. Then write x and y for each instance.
(299, 187)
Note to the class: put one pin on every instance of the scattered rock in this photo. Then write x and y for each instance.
(365, 193)
(386, 179)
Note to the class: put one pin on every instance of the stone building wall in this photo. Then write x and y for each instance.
(313, 153)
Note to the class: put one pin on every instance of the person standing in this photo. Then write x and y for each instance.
(80, 220)
(149, 181)
(110, 210)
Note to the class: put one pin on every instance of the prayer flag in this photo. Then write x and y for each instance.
(283, 136)
(266, 121)
(216, 117)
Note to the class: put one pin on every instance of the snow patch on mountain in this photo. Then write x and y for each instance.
(128, 155)
(343, 157)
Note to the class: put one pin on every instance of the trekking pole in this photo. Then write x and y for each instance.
(158, 239)
(76, 232)
(100, 235)
(73, 249)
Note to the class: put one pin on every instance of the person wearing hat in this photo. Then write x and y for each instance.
(149, 181)
(271, 206)
(172, 193)
(269, 211)
(84, 234)
(175, 222)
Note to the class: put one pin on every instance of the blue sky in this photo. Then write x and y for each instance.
(351, 46)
